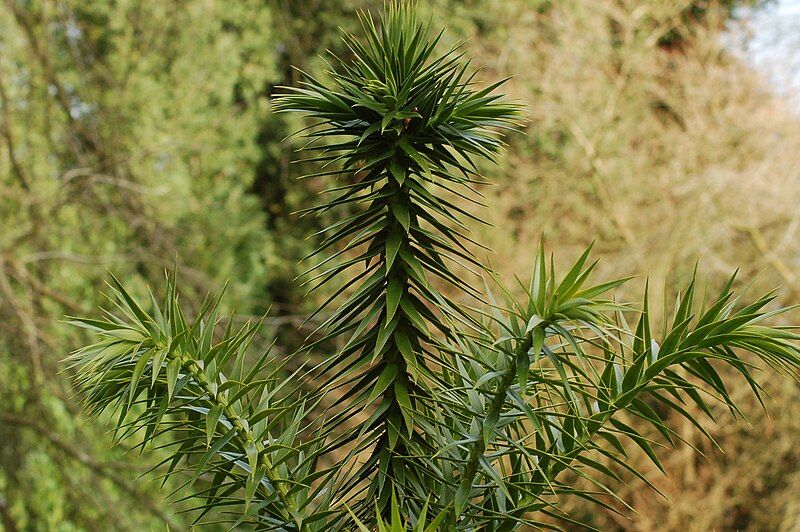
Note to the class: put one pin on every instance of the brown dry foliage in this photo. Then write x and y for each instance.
(662, 154)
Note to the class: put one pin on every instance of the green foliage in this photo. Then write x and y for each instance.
(409, 125)
(466, 417)
(132, 136)
(165, 375)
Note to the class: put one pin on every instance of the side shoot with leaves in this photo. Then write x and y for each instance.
(444, 416)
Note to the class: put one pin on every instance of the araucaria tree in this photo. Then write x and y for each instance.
(428, 414)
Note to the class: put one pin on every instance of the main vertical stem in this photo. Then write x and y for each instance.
(393, 450)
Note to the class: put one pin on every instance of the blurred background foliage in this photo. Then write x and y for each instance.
(137, 134)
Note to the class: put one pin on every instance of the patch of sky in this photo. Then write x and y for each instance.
(768, 38)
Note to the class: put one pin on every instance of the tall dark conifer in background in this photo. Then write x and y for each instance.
(445, 416)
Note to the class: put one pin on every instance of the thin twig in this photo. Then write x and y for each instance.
(757, 237)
